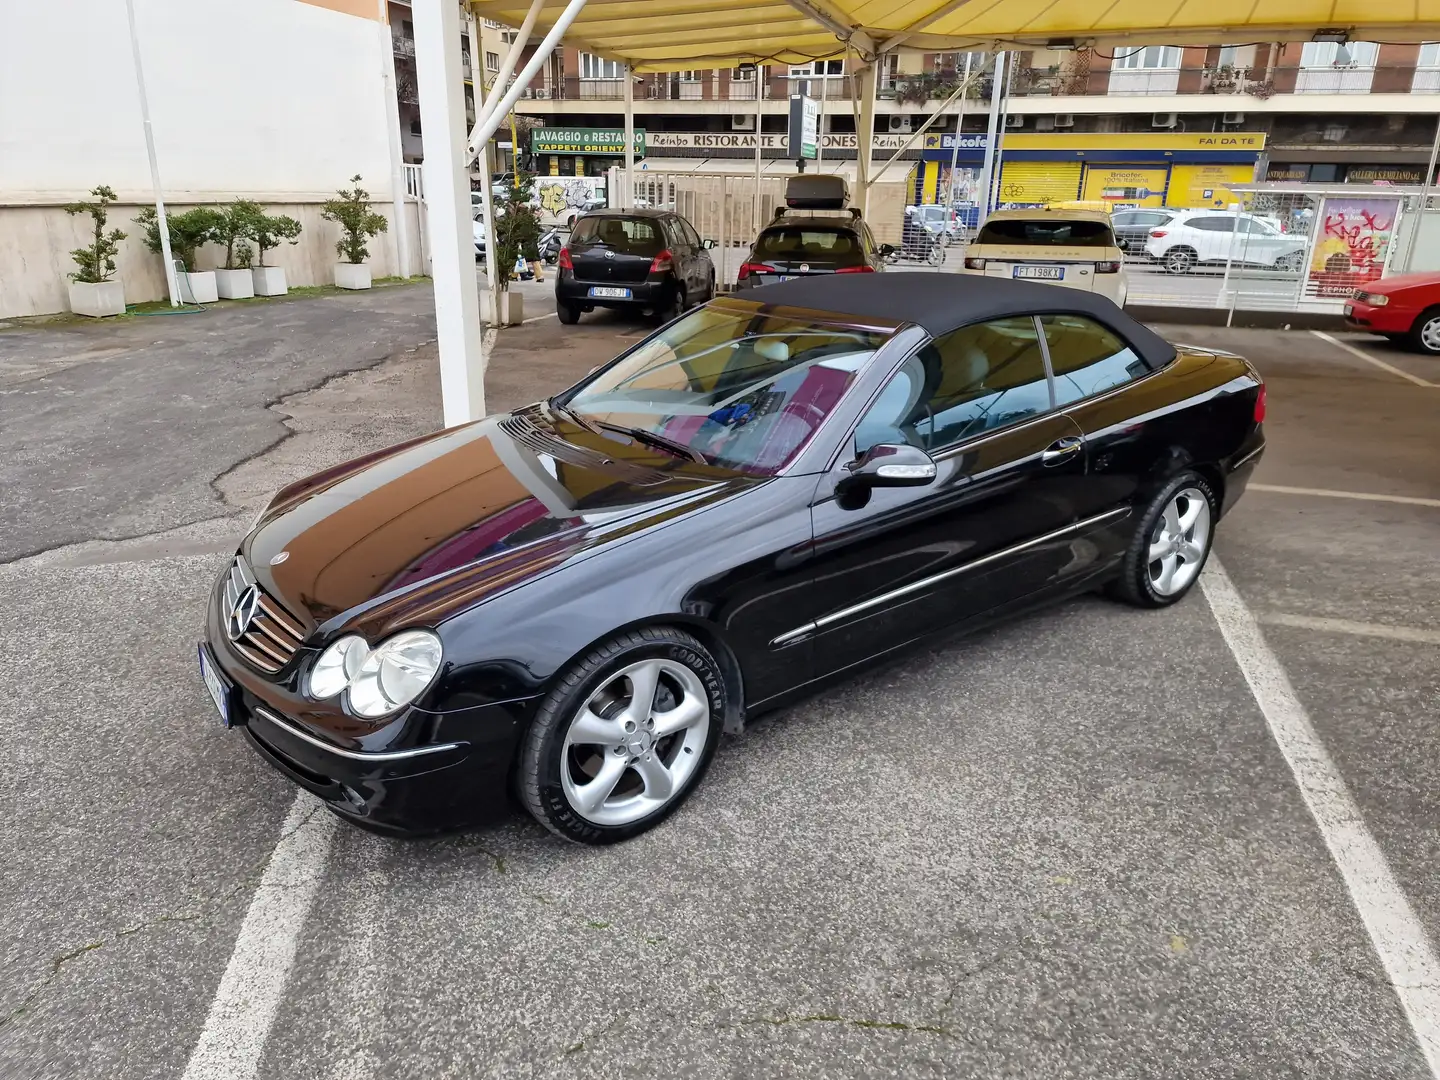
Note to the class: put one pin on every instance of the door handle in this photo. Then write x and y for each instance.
(1062, 450)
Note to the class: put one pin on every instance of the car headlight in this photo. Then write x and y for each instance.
(379, 680)
(1376, 300)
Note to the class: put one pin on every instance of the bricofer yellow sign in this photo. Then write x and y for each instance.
(1086, 143)
(1206, 185)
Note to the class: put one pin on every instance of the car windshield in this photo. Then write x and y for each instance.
(1046, 232)
(628, 236)
(741, 387)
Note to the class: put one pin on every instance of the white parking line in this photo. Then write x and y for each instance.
(1346, 626)
(1398, 936)
(249, 996)
(537, 318)
(1363, 355)
(1326, 493)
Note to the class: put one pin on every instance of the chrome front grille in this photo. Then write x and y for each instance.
(258, 628)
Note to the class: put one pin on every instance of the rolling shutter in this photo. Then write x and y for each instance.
(1035, 183)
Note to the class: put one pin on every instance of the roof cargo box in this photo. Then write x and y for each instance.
(817, 192)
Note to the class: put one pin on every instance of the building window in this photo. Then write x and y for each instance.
(819, 67)
(414, 127)
(742, 74)
(1229, 55)
(1335, 54)
(1150, 58)
(595, 67)
(492, 61)
(690, 76)
(956, 61)
(1429, 55)
(407, 29)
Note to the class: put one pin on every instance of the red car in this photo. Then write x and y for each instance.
(1402, 308)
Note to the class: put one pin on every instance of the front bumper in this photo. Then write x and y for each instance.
(1388, 319)
(424, 772)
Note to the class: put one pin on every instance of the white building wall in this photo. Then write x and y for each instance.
(281, 101)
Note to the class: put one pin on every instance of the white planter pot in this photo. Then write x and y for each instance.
(97, 298)
(352, 275)
(512, 309)
(234, 284)
(198, 288)
(268, 280)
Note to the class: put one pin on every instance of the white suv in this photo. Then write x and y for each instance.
(1207, 236)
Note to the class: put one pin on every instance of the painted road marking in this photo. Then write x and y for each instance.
(249, 996)
(1326, 493)
(1346, 626)
(1363, 355)
(537, 318)
(1398, 936)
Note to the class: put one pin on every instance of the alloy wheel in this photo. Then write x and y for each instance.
(1179, 261)
(1179, 542)
(1430, 334)
(635, 742)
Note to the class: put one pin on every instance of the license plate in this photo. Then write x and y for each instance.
(1039, 273)
(216, 685)
(783, 277)
(605, 292)
(1349, 309)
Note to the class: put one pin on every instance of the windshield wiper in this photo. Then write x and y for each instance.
(679, 449)
(571, 414)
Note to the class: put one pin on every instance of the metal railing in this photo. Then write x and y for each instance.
(403, 46)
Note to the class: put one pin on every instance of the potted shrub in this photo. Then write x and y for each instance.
(517, 238)
(358, 223)
(188, 232)
(234, 225)
(92, 292)
(268, 233)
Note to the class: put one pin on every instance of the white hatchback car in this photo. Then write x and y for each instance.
(1074, 248)
(1208, 236)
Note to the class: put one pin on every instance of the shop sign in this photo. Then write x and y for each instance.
(745, 140)
(1354, 238)
(584, 141)
(1287, 174)
(1385, 174)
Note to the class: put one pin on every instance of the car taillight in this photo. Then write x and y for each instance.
(865, 269)
(974, 264)
(1107, 268)
(1157, 233)
(565, 263)
(750, 269)
(1260, 405)
(662, 263)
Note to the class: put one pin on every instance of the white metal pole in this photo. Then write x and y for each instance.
(865, 132)
(162, 220)
(1230, 262)
(487, 192)
(959, 130)
(1428, 186)
(487, 121)
(997, 83)
(820, 118)
(447, 192)
(755, 201)
(627, 200)
(998, 172)
(391, 105)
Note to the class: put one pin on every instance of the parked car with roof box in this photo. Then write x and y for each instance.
(815, 233)
(648, 260)
(1073, 248)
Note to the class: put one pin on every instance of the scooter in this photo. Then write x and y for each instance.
(550, 245)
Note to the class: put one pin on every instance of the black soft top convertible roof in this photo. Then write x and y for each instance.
(943, 302)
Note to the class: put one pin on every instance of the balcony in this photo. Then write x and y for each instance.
(403, 46)
(1334, 80)
(1144, 82)
(406, 88)
(1427, 81)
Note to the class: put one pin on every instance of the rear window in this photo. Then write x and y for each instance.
(1045, 231)
(629, 236)
(796, 242)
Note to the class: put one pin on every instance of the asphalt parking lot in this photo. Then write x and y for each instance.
(1093, 842)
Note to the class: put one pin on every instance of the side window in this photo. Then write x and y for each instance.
(1212, 224)
(967, 382)
(688, 231)
(1087, 358)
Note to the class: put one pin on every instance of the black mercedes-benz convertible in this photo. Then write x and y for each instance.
(566, 605)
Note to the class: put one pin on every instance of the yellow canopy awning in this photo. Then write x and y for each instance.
(669, 35)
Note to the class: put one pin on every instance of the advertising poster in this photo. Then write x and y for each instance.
(1351, 243)
(1124, 186)
(1206, 186)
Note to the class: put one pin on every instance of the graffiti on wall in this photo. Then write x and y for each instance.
(559, 194)
(1353, 241)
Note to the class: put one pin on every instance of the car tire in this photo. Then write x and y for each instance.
(568, 747)
(1170, 545)
(674, 307)
(1179, 260)
(568, 314)
(711, 294)
(1425, 332)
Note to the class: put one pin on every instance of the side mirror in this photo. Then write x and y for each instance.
(886, 250)
(708, 244)
(893, 465)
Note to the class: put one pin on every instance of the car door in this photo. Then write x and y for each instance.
(894, 564)
(698, 259)
(1213, 235)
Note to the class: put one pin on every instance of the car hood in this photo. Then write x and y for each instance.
(1385, 286)
(413, 534)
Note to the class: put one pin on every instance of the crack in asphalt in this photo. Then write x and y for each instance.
(852, 1021)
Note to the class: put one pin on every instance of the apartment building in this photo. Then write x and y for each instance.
(1320, 112)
